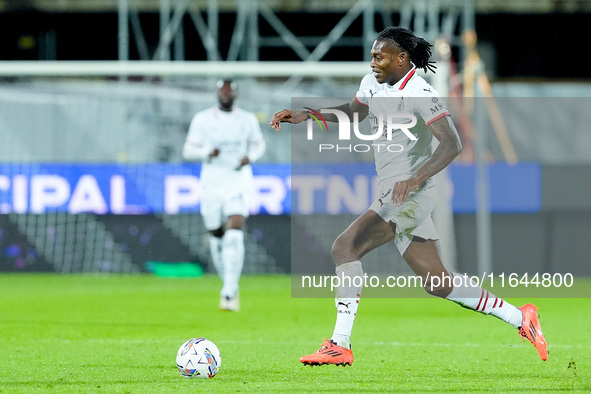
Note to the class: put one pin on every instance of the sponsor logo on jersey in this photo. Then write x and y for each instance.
(437, 108)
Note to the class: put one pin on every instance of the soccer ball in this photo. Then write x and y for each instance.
(198, 358)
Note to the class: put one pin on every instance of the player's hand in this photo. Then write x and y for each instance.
(245, 160)
(288, 116)
(214, 153)
(401, 191)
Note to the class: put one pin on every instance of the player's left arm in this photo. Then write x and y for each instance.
(449, 147)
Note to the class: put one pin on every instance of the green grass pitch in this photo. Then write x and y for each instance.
(69, 333)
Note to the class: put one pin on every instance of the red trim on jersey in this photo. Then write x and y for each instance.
(495, 304)
(408, 77)
(356, 99)
(501, 305)
(438, 117)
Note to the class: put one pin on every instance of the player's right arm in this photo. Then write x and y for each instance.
(195, 148)
(295, 117)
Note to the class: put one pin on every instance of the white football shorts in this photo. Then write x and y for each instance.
(216, 208)
(413, 218)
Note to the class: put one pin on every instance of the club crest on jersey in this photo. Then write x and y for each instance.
(401, 105)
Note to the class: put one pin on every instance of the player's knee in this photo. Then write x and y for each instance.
(438, 289)
(235, 222)
(335, 250)
(234, 226)
(341, 251)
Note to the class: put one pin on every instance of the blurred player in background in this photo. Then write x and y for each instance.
(226, 139)
(407, 194)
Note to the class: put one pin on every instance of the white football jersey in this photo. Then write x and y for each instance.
(236, 134)
(399, 156)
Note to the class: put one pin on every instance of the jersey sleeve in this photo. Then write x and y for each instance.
(195, 147)
(364, 93)
(256, 143)
(430, 106)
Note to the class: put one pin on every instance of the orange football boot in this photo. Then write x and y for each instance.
(329, 353)
(531, 330)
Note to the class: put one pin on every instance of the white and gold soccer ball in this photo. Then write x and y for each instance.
(198, 358)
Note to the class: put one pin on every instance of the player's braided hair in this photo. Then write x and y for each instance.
(418, 49)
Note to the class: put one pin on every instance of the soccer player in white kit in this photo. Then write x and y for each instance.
(402, 213)
(226, 139)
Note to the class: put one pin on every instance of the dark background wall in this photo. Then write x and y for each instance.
(537, 45)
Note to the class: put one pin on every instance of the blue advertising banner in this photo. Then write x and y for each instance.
(278, 188)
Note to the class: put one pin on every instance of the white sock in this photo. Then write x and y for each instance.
(215, 248)
(347, 297)
(483, 301)
(233, 260)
